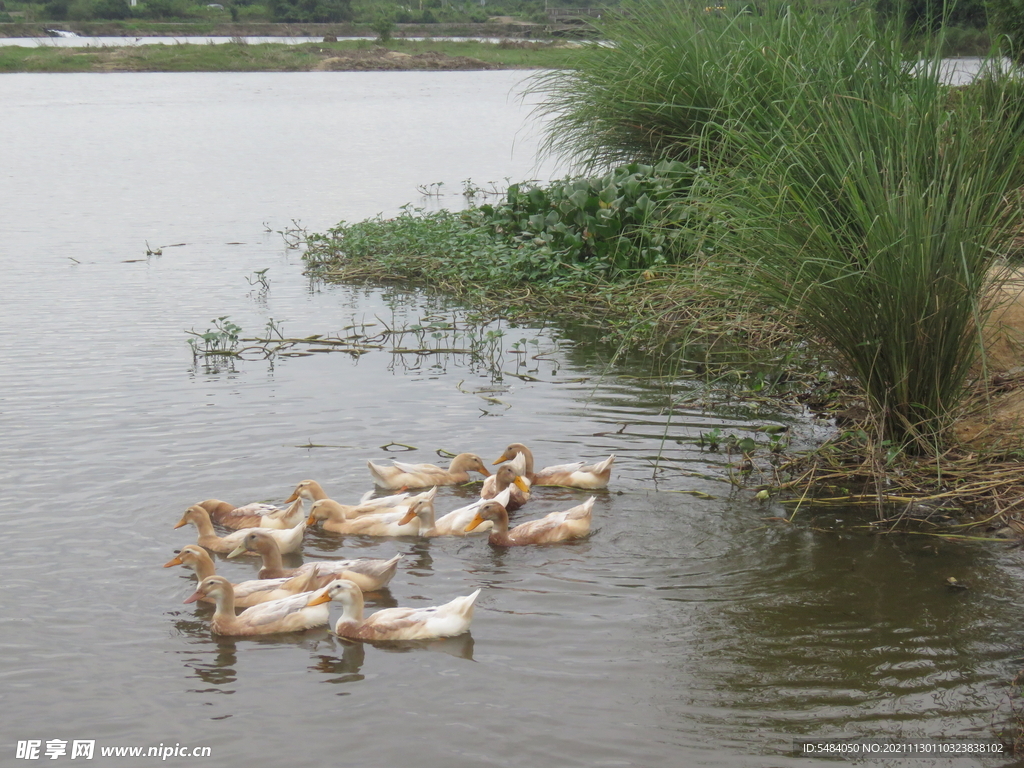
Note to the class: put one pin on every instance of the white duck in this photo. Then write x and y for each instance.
(576, 475)
(247, 593)
(400, 475)
(331, 515)
(569, 524)
(255, 515)
(289, 540)
(452, 618)
(312, 491)
(511, 475)
(369, 573)
(452, 524)
(291, 614)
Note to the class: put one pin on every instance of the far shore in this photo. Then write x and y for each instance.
(240, 55)
(135, 28)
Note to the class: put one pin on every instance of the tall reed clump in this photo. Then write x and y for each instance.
(662, 86)
(876, 201)
(856, 189)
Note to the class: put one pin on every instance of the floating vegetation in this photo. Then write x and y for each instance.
(219, 340)
(259, 277)
(439, 337)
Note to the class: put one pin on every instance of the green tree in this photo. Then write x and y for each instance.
(112, 9)
(923, 16)
(1008, 24)
(319, 11)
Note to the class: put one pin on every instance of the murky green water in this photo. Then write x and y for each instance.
(686, 631)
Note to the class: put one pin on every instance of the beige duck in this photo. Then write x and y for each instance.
(289, 540)
(332, 517)
(577, 475)
(247, 593)
(452, 618)
(333, 512)
(557, 526)
(310, 490)
(452, 524)
(290, 614)
(255, 515)
(369, 573)
(400, 475)
(512, 476)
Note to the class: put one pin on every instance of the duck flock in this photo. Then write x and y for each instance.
(296, 599)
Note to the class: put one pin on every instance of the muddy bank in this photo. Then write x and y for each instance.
(379, 58)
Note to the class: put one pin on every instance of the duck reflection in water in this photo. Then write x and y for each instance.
(347, 668)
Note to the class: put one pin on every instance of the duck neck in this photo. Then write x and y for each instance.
(499, 533)
(427, 520)
(201, 520)
(225, 610)
(457, 470)
(204, 567)
(352, 609)
(273, 564)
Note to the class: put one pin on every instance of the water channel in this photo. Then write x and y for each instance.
(687, 630)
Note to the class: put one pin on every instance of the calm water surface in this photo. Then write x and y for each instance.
(687, 630)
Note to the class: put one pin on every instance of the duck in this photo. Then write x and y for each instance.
(310, 490)
(332, 511)
(247, 593)
(452, 524)
(557, 526)
(255, 515)
(578, 475)
(289, 614)
(400, 475)
(332, 517)
(371, 574)
(510, 476)
(448, 620)
(289, 540)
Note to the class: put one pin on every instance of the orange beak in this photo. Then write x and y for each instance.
(193, 597)
(500, 459)
(408, 517)
(319, 600)
(311, 520)
(181, 522)
(521, 484)
(293, 497)
(175, 561)
(473, 523)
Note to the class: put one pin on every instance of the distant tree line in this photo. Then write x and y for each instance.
(919, 16)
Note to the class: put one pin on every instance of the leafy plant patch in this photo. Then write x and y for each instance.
(636, 217)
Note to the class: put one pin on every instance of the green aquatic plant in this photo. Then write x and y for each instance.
(633, 218)
(220, 339)
(259, 277)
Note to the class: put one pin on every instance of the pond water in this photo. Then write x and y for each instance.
(687, 630)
